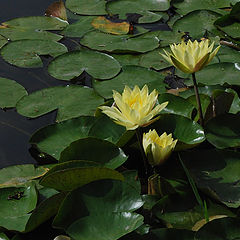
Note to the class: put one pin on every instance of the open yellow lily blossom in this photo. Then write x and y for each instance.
(190, 57)
(158, 149)
(134, 108)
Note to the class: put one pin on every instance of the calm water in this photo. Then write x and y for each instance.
(15, 130)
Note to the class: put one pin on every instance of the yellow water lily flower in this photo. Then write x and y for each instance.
(158, 149)
(190, 57)
(134, 108)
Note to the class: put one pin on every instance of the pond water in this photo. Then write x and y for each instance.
(15, 130)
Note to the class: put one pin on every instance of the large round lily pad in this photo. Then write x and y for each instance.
(10, 93)
(69, 100)
(130, 76)
(196, 23)
(104, 207)
(113, 43)
(53, 139)
(25, 53)
(73, 64)
(87, 7)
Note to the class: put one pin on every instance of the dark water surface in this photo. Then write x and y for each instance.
(15, 130)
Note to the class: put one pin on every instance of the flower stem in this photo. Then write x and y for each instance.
(145, 171)
(198, 99)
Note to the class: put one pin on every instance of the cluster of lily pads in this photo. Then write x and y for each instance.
(96, 179)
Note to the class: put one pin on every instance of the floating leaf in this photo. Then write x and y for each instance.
(10, 93)
(176, 105)
(17, 175)
(227, 54)
(32, 28)
(3, 236)
(73, 64)
(131, 76)
(104, 25)
(216, 172)
(192, 5)
(15, 212)
(80, 27)
(232, 30)
(223, 131)
(71, 178)
(44, 211)
(87, 7)
(53, 139)
(113, 43)
(3, 41)
(188, 132)
(103, 206)
(67, 99)
(25, 53)
(196, 23)
(57, 9)
(125, 7)
(168, 37)
(93, 149)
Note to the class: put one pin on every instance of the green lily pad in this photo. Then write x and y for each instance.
(67, 99)
(196, 23)
(227, 54)
(80, 27)
(150, 17)
(188, 132)
(169, 37)
(87, 7)
(53, 139)
(32, 28)
(3, 41)
(154, 60)
(220, 229)
(15, 212)
(103, 206)
(10, 93)
(25, 53)
(71, 177)
(124, 7)
(116, 43)
(192, 5)
(176, 105)
(93, 149)
(37, 23)
(73, 64)
(232, 30)
(223, 131)
(216, 173)
(219, 74)
(130, 76)
(17, 175)
(44, 211)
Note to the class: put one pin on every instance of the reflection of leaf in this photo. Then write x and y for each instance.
(104, 25)
(10, 93)
(25, 53)
(57, 9)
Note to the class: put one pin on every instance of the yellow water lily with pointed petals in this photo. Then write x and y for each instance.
(134, 108)
(158, 148)
(190, 57)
